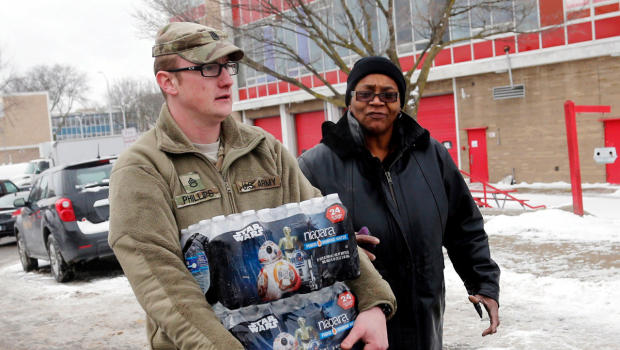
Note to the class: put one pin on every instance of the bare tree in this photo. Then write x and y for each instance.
(5, 73)
(139, 99)
(6, 78)
(155, 13)
(65, 85)
(332, 34)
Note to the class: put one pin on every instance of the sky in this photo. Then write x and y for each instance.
(94, 36)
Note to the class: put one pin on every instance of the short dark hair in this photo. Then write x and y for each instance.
(164, 63)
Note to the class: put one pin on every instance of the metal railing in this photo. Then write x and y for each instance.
(490, 192)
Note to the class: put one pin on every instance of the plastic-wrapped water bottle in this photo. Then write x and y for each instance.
(205, 227)
(264, 215)
(218, 226)
(196, 261)
(248, 217)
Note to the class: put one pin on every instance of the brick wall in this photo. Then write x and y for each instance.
(19, 155)
(26, 121)
(530, 132)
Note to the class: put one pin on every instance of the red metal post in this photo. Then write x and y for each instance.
(573, 156)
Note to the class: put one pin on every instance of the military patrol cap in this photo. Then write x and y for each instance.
(194, 42)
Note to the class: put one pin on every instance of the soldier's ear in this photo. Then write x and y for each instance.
(167, 82)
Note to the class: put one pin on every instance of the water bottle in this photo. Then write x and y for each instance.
(218, 226)
(196, 260)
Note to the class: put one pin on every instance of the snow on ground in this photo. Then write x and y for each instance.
(96, 311)
(560, 278)
(560, 287)
(556, 224)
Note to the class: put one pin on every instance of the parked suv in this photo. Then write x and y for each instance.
(65, 217)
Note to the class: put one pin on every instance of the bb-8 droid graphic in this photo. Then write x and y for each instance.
(285, 341)
(277, 276)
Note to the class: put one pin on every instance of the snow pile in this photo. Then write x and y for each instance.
(44, 284)
(554, 225)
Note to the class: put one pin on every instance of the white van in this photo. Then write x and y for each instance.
(22, 173)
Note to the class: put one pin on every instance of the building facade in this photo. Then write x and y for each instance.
(497, 104)
(84, 125)
(24, 125)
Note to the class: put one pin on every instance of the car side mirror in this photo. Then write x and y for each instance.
(19, 202)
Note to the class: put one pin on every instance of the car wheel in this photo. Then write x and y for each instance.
(28, 263)
(60, 270)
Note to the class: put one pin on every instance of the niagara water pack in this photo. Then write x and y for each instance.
(260, 256)
(318, 320)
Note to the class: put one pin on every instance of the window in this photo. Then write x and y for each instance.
(269, 52)
(43, 187)
(404, 33)
(459, 25)
(499, 14)
(93, 176)
(526, 14)
(303, 49)
(10, 187)
(35, 193)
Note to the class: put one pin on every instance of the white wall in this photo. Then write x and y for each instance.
(70, 151)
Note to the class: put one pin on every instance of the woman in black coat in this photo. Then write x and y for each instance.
(404, 187)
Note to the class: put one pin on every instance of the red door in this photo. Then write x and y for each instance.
(436, 113)
(612, 139)
(308, 128)
(478, 163)
(271, 125)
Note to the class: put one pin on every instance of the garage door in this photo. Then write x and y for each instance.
(436, 114)
(271, 125)
(308, 129)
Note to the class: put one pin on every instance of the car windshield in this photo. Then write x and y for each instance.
(30, 169)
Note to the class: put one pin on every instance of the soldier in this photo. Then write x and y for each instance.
(192, 166)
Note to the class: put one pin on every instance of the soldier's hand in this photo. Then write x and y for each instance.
(370, 328)
(492, 309)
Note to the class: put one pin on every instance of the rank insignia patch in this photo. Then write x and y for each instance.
(260, 183)
(191, 182)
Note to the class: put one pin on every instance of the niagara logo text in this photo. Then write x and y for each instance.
(319, 234)
(249, 232)
(263, 324)
(333, 322)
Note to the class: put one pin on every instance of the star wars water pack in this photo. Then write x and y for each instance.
(317, 320)
(260, 256)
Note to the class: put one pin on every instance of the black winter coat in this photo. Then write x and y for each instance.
(415, 202)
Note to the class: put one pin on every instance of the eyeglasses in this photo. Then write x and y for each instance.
(211, 69)
(367, 96)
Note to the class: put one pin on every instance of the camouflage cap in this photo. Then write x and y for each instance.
(194, 42)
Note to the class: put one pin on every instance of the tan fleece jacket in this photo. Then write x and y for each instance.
(151, 201)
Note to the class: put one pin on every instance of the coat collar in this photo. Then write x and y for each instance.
(171, 139)
(346, 137)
